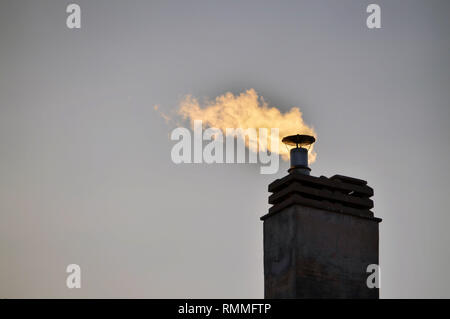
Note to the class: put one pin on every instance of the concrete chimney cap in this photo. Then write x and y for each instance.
(298, 140)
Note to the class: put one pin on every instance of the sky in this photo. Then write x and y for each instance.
(85, 165)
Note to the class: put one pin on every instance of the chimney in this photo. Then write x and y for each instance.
(320, 235)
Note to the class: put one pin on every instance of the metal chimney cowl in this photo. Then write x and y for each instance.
(299, 154)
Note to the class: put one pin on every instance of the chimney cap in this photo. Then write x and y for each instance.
(298, 140)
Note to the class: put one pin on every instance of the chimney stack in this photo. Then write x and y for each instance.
(320, 235)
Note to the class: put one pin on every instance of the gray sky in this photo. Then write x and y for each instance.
(85, 169)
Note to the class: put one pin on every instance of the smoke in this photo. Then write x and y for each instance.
(247, 110)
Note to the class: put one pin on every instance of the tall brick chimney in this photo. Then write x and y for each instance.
(319, 235)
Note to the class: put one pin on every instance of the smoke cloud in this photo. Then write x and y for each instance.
(246, 110)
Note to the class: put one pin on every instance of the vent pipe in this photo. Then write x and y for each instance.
(299, 153)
